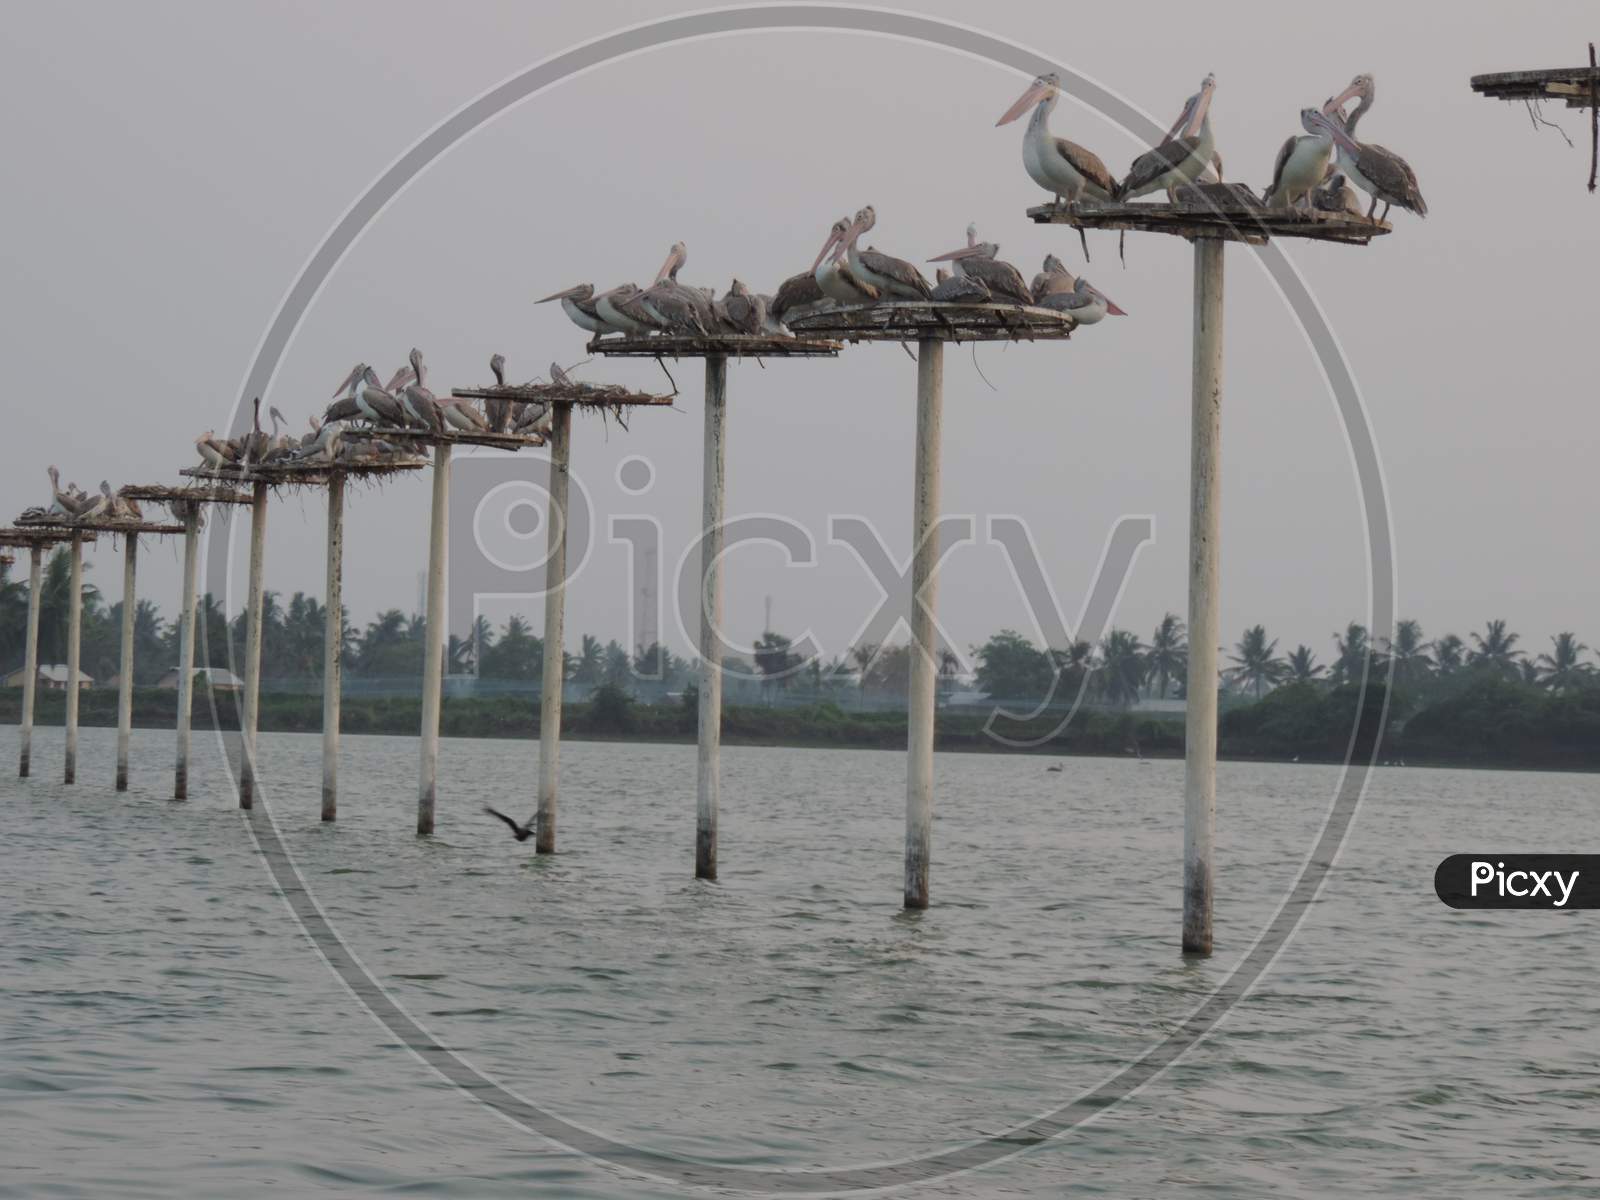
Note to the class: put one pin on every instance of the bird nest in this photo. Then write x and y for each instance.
(68, 527)
(933, 320)
(42, 536)
(722, 345)
(1226, 211)
(453, 437)
(1577, 87)
(161, 493)
(317, 475)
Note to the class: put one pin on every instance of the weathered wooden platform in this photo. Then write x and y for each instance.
(162, 493)
(315, 476)
(732, 345)
(431, 437)
(1226, 211)
(1577, 87)
(98, 525)
(932, 320)
(38, 535)
(597, 395)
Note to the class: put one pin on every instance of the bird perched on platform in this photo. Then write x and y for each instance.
(796, 296)
(1054, 277)
(1085, 303)
(1381, 173)
(498, 411)
(579, 305)
(737, 310)
(1336, 195)
(978, 259)
(835, 278)
(676, 307)
(420, 405)
(1064, 169)
(959, 289)
(1181, 157)
(895, 278)
(1301, 165)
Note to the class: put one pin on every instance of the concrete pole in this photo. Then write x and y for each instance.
(249, 716)
(713, 497)
(31, 656)
(191, 554)
(130, 567)
(924, 652)
(74, 636)
(1200, 722)
(555, 603)
(433, 642)
(333, 648)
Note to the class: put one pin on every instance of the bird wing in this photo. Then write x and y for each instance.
(1153, 164)
(1277, 167)
(897, 269)
(1393, 177)
(494, 812)
(1088, 164)
(1000, 277)
(795, 291)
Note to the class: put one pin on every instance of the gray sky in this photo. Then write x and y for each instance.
(171, 166)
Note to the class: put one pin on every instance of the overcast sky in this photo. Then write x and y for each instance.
(170, 166)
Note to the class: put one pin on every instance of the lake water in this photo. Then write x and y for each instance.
(166, 1029)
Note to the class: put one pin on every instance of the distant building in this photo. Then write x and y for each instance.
(51, 677)
(219, 679)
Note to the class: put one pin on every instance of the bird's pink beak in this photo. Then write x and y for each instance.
(1111, 306)
(1336, 131)
(1035, 93)
(833, 240)
(1350, 93)
(566, 295)
(348, 380)
(958, 253)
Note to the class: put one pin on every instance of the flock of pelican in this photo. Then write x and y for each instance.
(72, 505)
(843, 275)
(1313, 170)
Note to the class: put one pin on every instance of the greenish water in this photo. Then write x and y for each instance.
(168, 1031)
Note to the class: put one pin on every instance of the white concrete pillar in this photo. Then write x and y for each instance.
(924, 650)
(555, 603)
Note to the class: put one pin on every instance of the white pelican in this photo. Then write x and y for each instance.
(1052, 279)
(677, 306)
(978, 260)
(1064, 169)
(1302, 164)
(895, 278)
(1181, 157)
(579, 305)
(833, 275)
(498, 411)
(99, 506)
(1381, 173)
(418, 403)
(740, 309)
(620, 307)
(1085, 303)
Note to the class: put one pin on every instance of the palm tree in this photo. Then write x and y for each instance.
(1408, 653)
(1301, 666)
(1122, 667)
(1494, 650)
(949, 668)
(591, 661)
(1168, 656)
(1073, 666)
(1448, 654)
(862, 656)
(1563, 667)
(1353, 652)
(1257, 659)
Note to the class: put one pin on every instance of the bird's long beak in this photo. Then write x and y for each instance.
(1335, 102)
(1035, 93)
(834, 238)
(1336, 131)
(672, 264)
(1202, 106)
(565, 295)
(958, 253)
(348, 380)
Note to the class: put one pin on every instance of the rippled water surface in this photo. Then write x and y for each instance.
(166, 1030)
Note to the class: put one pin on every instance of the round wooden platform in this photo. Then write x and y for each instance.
(932, 320)
(1227, 211)
(732, 345)
(37, 535)
(1578, 87)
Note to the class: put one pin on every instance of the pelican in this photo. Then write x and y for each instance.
(98, 507)
(461, 415)
(1381, 173)
(1085, 303)
(959, 289)
(277, 443)
(499, 411)
(895, 278)
(62, 503)
(1301, 165)
(834, 277)
(579, 305)
(1337, 196)
(978, 260)
(210, 451)
(531, 416)
(677, 306)
(620, 307)
(1188, 148)
(380, 405)
(1064, 169)
(418, 403)
(739, 309)
(1052, 279)
(119, 507)
(798, 293)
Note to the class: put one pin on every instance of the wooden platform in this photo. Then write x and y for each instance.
(1230, 212)
(40, 535)
(1577, 87)
(108, 525)
(311, 476)
(430, 437)
(931, 320)
(162, 493)
(732, 345)
(598, 395)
